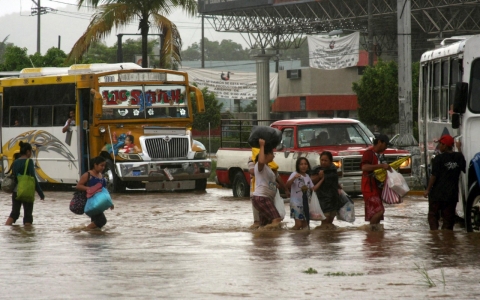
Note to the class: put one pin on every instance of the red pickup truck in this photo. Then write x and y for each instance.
(346, 139)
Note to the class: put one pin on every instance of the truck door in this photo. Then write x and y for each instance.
(284, 156)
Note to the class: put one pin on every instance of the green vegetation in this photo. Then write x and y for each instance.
(310, 271)
(150, 15)
(212, 172)
(427, 280)
(212, 116)
(377, 93)
(343, 274)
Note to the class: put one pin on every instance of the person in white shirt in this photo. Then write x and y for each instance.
(265, 188)
(299, 183)
(70, 121)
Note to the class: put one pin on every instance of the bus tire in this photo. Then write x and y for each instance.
(114, 184)
(201, 184)
(472, 211)
(240, 186)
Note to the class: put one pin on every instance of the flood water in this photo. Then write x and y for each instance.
(199, 245)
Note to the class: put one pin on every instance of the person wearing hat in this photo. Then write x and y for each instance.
(442, 189)
(372, 160)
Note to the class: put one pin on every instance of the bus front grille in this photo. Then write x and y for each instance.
(164, 148)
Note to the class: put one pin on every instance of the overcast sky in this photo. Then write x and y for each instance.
(20, 26)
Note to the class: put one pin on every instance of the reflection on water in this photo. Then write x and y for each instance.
(199, 245)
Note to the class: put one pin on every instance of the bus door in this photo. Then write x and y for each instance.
(85, 113)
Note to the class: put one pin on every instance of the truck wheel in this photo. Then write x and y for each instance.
(114, 184)
(472, 211)
(200, 184)
(240, 186)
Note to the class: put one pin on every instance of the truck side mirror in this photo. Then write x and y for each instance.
(280, 146)
(455, 121)
(461, 97)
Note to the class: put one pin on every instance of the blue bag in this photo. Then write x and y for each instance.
(98, 203)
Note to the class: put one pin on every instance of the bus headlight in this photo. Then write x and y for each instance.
(200, 150)
(102, 129)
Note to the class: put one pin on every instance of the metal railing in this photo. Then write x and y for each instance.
(235, 132)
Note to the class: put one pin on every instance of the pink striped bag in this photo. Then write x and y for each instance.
(389, 196)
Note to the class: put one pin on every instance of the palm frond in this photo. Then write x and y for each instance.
(109, 16)
(172, 42)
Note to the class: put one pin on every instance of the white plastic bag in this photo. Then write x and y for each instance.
(389, 196)
(347, 212)
(279, 205)
(316, 213)
(397, 183)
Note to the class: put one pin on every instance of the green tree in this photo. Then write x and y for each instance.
(149, 13)
(251, 107)
(3, 48)
(100, 53)
(212, 112)
(377, 93)
(193, 52)
(54, 58)
(300, 53)
(15, 59)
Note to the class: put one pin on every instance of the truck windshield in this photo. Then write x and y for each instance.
(332, 134)
(475, 87)
(144, 102)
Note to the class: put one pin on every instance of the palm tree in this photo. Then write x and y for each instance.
(148, 13)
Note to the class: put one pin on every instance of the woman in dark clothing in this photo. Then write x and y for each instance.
(92, 182)
(18, 167)
(325, 180)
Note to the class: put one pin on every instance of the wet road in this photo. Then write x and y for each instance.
(198, 245)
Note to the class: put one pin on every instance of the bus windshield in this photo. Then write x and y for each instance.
(139, 102)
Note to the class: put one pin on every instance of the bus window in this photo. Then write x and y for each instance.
(42, 116)
(454, 72)
(61, 114)
(475, 87)
(436, 96)
(20, 116)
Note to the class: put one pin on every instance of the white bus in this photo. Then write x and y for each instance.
(449, 103)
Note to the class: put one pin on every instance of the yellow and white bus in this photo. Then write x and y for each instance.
(110, 102)
(449, 103)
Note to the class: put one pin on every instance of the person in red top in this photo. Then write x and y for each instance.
(372, 160)
(129, 146)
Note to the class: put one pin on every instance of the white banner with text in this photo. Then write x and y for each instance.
(334, 53)
(230, 85)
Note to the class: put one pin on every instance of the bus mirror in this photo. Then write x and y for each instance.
(85, 124)
(455, 121)
(461, 94)
(199, 99)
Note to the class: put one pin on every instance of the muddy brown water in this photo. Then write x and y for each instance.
(199, 245)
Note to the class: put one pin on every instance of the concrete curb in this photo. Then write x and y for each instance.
(415, 193)
(213, 185)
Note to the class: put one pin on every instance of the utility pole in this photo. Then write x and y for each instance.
(406, 140)
(370, 33)
(38, 25)
(203, 42)
(39, 10)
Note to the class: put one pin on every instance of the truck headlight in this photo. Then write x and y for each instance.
(406, 164)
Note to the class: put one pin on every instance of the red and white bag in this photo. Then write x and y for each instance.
(389, 196)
